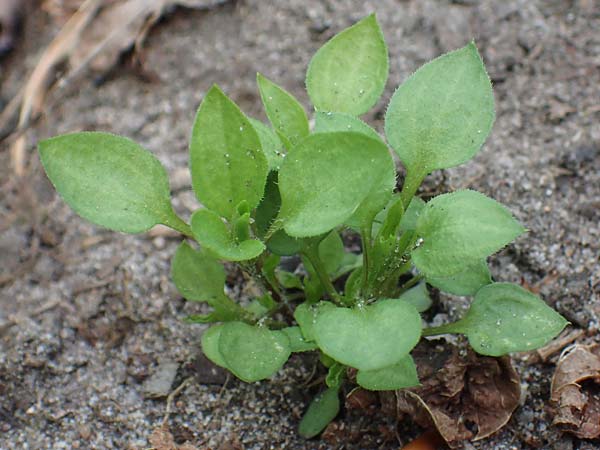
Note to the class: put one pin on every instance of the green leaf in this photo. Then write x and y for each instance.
(210, 345)
(321, 411)
(411, 215)
(401, 375)
(331, 252)
(285, 112)
(253, 353)
(460, 229)
(271, 144)
(297, 341)
(288, 280)
(226, 160)
(381, 194)
(394, 213)
(418, 297)
(350, 261)
(326, 122)
(353, 285)
(211, 232)
(371, 337)
(306, 314)
(441, 115)
(335, 375)
(110, 181)
(327, 178)
(197, 275)
(378, 198)
(466, 282)
(349, 72)
(279, 243)
(505, 318)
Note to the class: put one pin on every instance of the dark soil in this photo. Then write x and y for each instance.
(91, 337)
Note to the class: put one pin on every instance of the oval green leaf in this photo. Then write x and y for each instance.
(226, 159)
(327, 178)
(401, 375)
(368, 338)
(349, 72)
(285, 113)
(321, 411)
(441, 116)
(466, 282)
(253, 353)
(417, 296)
(109, 180)
(505, 318)
(210, 345)
(460, 229)
(197, 275)
(211, 232)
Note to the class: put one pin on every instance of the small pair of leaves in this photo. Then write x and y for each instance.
(349, 72)
(327, 178)
(505, 318)
(227, 162)
(110, 181)
(211, 232)
(441, 115)
(459, 230)
(369, 337)
(250, 353)
(198, 276)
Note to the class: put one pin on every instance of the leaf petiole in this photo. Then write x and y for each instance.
(176, 223)
(448, 328)
(412, 182)
(312, 253)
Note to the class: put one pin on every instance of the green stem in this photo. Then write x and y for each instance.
(390, 285)
(365, 234)
(312, 253)
(411, 183)
(175, 222)
(448, 328)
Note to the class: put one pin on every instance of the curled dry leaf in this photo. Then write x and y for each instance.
(576, 391)
(464, 396)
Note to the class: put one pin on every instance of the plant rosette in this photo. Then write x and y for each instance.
(272, 190)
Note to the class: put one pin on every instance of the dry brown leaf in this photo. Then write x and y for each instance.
(162, 439)
(93, 37)
(576, 391)
(466, 397)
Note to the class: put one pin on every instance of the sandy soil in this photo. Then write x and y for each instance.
(91, 337)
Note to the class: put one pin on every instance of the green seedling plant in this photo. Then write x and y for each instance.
(289, 188)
